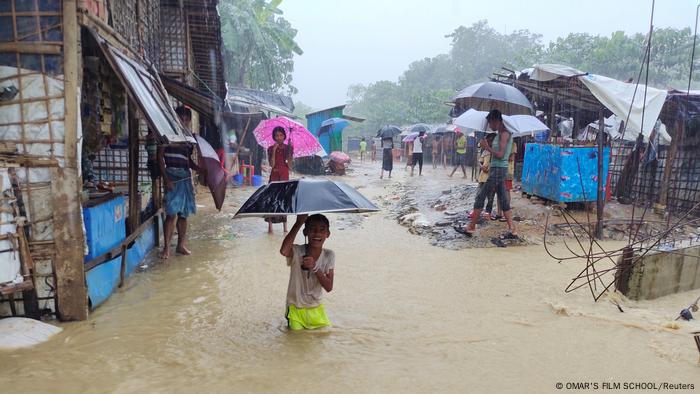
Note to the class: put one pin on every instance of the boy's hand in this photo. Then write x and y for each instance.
(302, 218)
(308, 262)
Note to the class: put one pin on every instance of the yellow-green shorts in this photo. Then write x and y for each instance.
(307, 318)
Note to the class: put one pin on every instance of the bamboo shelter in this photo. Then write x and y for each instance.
(82, 104)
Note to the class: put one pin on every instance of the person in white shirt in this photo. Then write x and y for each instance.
(418, 153)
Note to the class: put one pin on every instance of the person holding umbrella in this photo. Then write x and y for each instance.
(279, 156)
(311, 265)
(500, 152)
(176, 165)
(387, 156)
(311, 271)
(417, 157)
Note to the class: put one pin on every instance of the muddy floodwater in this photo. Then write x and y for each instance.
(408, 317)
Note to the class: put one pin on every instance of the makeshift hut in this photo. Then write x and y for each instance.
(84, 95)
(330, 141)
(245, 108)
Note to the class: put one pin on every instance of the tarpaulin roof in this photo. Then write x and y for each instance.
(265, 101)
(622, 98)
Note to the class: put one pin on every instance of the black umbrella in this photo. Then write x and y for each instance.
(420, 128)
(305, 196)
(388, 132)
(486, 96)
(441, 130)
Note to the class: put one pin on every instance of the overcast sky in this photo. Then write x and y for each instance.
(363, 41)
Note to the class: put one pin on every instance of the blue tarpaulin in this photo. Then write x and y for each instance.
(563, 174)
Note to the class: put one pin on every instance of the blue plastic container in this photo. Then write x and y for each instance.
(237, 179)
(105, 226)
(257, 181)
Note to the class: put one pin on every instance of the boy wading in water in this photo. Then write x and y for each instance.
(311, 272)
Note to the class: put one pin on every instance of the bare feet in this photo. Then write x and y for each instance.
(183, 250)
(165, 254)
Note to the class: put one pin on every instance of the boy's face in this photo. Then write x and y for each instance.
(317, 232)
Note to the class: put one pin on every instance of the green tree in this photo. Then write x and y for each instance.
(259, 45)
(300, 111)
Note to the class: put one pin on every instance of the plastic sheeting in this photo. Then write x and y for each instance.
(42, 113)
(621, 98)
(21, 332)
(9, 258)
(612, 127)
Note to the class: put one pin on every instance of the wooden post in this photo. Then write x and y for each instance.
(601, 193)
(133, 171)
(553, 116)
(624, 269)
(678, 131)
(71, 290)
(122, 268)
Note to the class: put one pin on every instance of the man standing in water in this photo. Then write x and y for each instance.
(461, 149)
(176, 163)
(417, 157)
(500, 153)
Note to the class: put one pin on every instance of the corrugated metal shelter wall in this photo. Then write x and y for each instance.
(313, 122)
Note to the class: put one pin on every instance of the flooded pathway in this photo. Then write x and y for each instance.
(408, 317)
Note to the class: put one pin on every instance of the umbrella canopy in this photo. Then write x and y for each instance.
(410, 137)
(388, 132)
(302, 141)
(305, 196)
(216, 175)
(333, 125)
(519, 125)
(420, 128)
(340, 157)
(486, 96)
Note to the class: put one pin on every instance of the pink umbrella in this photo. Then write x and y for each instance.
(410, 137)
(302, 141)
(340, 157)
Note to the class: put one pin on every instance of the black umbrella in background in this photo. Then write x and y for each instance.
(420, 128)
(388, 132)
(305, 196)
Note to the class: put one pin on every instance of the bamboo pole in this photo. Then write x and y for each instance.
(601, 194)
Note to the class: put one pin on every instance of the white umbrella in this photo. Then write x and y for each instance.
(519, 125)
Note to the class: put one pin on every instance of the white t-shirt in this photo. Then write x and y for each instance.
(305, 291)
(417, 145)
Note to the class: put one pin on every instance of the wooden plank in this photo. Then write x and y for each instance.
(71, 291)
(15, 288)
(28, 47)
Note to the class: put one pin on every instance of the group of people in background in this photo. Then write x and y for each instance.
(496, 169)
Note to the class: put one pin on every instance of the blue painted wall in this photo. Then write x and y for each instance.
(103, 279)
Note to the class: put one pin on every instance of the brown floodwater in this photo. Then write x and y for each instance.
(408, 317)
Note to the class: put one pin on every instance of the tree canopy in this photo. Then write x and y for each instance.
(477, 51)
(259, 45)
